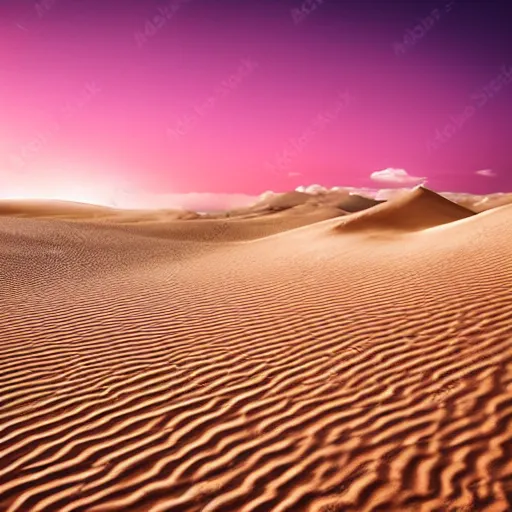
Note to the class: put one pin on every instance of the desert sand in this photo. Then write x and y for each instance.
(303, 354)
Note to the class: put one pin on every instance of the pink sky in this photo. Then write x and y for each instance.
(228, 99)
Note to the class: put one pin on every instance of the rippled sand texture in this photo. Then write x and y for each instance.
(318, 368)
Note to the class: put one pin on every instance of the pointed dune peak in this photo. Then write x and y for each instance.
(412, 210)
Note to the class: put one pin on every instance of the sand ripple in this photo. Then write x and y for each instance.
(311, 370)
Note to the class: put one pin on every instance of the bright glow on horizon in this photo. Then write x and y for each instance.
(55, 197)
(79, 187)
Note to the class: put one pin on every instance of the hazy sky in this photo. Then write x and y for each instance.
(245, 96)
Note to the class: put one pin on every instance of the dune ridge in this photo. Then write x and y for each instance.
(299, 371)
(345, 199)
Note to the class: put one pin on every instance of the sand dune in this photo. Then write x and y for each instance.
(307, 370)
(285, 200)
(489, 202)
(344, 200)
(233, 229)
(356, 203)
(412, 210)
(82, 211)
(479, 203)
(40, 208)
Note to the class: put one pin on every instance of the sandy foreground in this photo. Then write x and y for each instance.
(297, 357)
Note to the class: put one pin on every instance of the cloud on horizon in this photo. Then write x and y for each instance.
(398, 176)
(312, 189)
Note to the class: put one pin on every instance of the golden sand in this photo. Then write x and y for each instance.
(293, 360)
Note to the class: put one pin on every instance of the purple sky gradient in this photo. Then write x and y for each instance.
(217, 95)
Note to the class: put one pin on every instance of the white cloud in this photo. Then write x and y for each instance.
(488, 173)
(311, 189)
(399, 176)
(369, 193)
(266, 195)
(385, 194)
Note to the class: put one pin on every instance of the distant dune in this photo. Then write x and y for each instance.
(347, 200)
(39, 208)
(274, 358)
(286, 200)
(356, 203)
(476, 203)
(491, 201)
(410, 211)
